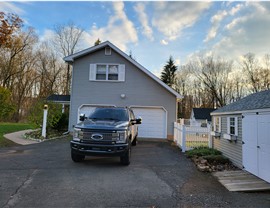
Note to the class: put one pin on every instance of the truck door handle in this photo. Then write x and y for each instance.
(258, 147)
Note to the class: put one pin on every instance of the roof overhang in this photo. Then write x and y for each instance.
(241, 112)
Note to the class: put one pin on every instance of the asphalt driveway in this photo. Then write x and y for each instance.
(43, 175)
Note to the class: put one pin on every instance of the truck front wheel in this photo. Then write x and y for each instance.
(76, 157)
(125, 159)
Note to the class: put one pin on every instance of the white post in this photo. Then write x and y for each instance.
(63, 108)
(210, 144)
(44, 125)
(183, 142)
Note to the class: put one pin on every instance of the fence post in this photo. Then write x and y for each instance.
(183, 141)
(210, 144)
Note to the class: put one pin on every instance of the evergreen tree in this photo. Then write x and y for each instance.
(168, 75)
(98, 41)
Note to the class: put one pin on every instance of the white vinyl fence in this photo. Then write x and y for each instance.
(189, 137)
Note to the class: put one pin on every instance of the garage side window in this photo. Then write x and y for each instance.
(217, 124)
(107, 72)
(232, 126)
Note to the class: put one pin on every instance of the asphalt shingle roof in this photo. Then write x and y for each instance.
(59, 98)
(259, 100)
(203, 113)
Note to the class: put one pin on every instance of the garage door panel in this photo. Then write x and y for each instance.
(154, 122)
(264, 146)
(256, 148)
(250, 143)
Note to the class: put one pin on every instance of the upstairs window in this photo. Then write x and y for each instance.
(107, 72)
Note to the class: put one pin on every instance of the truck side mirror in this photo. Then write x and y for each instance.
(82, 117)
(138, 120)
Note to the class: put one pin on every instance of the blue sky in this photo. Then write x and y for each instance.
(155, 30)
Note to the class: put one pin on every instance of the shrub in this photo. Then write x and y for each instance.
(216, 159)
(6, 106)
(62, 124)
(54, 114)
(202, 151)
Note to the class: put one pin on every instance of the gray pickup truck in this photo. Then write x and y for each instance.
(107, 131)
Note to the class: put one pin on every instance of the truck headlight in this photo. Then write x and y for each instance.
(122, 137)
(77, 134)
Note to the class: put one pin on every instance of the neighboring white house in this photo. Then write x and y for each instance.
(200, 116)
(105, 75)
(241, 131)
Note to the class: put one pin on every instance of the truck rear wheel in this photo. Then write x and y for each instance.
(76, 157)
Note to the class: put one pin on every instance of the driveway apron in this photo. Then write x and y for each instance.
(43, 175)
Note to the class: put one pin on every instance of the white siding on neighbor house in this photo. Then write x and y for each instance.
(230, 149)
(139, 89)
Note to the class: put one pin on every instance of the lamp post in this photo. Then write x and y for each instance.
(44, 125)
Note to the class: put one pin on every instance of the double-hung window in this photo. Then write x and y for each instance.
(232, 125)
(107, 72)
(232, 128)
(217, 124)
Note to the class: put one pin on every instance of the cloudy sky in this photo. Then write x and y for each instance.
(153, 31)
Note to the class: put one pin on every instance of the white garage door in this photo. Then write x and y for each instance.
(154, 122)
(256, 147)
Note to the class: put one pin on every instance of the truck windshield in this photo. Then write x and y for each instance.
(117, 114)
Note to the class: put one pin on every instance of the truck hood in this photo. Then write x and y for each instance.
(103, 124)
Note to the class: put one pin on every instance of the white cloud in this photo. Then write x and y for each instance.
(9, 7)
(147, 30)
(119, 30)
(47, 36)
(217, 19)
(177, 62)
(170, 18)
(246, 33)
(164, 42)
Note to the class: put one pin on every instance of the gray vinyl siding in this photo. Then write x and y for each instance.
(139, 88)
(230, 149)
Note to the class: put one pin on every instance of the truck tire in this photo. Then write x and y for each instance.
(125, 159)
(134, 142)
(76, 158)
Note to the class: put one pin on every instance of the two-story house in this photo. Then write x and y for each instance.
(103, 75)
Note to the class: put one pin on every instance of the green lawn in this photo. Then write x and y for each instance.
(9, 128)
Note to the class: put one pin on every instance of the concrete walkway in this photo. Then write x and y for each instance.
(18, 138)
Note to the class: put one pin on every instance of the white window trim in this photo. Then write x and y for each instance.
(93, 72)
(228, 135)
(219, 124)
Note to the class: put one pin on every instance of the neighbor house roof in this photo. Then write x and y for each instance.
(71, 58)
(59, 98)
(259, 100)
(203, 113)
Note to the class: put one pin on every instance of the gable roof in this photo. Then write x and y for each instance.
(259, 100)
(59, 98)
(203, 113)
(71, 58)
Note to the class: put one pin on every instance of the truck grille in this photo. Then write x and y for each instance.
(94, 135)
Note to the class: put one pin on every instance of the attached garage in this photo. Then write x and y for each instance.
(242, 133)
(256, 144)
(154, 122)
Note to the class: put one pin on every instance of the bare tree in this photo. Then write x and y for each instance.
(213, 74)
(50, 70)
(8, 66)
(67, 39)
(258, 73)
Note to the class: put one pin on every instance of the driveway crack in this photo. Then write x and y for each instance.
(14, 198)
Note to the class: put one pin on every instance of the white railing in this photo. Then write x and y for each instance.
(189, 137)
